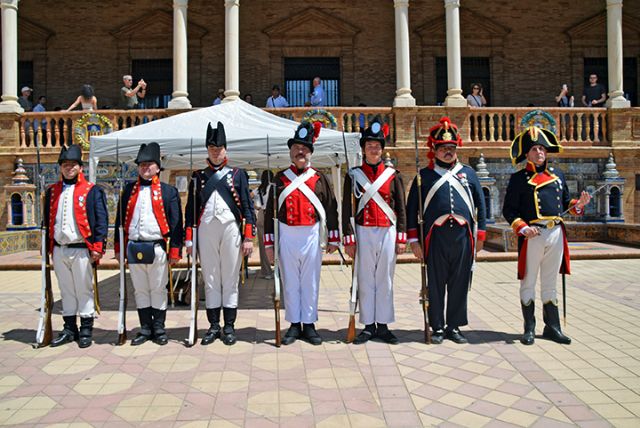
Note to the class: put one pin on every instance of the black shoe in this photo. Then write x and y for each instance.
(311, 335)
(86, 332)
(140, 339)
(366, 334)
(213, 315)
(437, 337)
(385, 335)
(552, 328)
(69, 332)
(228, 331)
(146, 322)
(455, 336)
(528, 313)
(159, 333)
(292, 334)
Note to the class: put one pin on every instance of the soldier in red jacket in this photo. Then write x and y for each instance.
(381, 232)
(306, 206)
(76, 212)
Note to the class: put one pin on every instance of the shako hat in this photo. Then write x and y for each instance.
(149, 153)
(377, 131)
(533, 135)
(72, 153)
(306, 134)
(216, 137)
(445, 132)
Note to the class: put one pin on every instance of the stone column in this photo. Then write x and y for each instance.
(231, 50)
(614, 52)
(454, 68)
(180, 95)
(403, 71)
(9, 102)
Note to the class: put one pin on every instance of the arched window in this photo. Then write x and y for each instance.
(487, 202)
(614, 202)
(16, 210)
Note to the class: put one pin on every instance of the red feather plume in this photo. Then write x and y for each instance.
(385, 130)
(316, 130)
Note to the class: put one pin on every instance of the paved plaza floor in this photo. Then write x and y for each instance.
(492, 381)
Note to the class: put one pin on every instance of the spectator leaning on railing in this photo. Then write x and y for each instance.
(24, 100)
(276, 100)
(86, 99)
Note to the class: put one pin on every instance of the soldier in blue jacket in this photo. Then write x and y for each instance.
(454, 228)
(536, 198)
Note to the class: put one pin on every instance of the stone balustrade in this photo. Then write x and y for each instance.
(56, 127)
(501, 124)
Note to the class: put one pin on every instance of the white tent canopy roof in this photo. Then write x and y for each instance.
(246, 128)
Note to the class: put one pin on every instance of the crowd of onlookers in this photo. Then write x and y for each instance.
(131, 97)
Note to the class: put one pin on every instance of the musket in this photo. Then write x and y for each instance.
(44, 332)
(243, 263)
(122, 304)
(193, 324)
(353, 300)
(96, 294)
(424, 291)
(171, 296)
(276, 248)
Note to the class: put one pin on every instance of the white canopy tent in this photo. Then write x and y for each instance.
(246, 127)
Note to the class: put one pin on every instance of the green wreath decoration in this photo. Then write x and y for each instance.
(88, 125)
(327, 119)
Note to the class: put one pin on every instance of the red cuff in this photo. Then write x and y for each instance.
(412, 234)
(267, 239)
(98, 247)
(517, 225)
(401, 238)
(574, 210)
(248, 231)
(349, 240)
(189, 234)
(482, 235)
(174, 253)
(334, 236)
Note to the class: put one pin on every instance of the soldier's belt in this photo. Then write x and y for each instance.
(546, 224)
(76, 245)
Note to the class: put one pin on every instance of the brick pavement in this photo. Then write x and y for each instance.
(492, 381)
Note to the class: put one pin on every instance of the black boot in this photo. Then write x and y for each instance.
(294, 332)
(385, 335)
(146, 323)
(528, 313)
(309, 332)
(213, 315)
(229, 332)
(552, 329)
(86, 332)
(159, 333)
(367, 333)
(69, 332)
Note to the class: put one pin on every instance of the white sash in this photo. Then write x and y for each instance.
(371, 191)
(298, 182)
(449, 176)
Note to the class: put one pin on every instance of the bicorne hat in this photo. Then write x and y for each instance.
(533, 135)
(73, 153)
(149, 153)
(216, 137)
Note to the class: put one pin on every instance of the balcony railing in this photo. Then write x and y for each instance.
(53, 129)
(489, 125)
(502, 124)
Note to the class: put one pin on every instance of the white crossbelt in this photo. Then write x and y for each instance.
(298, 182)
(448, 176)
(371, 191)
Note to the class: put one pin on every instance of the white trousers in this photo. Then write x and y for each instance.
(300, 263)
(220, 258)
(376, 262)
(75, 279)
(544, 255)
(150, 281)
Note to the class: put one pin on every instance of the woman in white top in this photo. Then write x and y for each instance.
(86, 99)
(476, 98)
